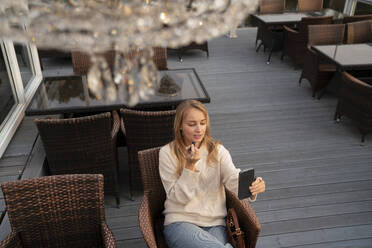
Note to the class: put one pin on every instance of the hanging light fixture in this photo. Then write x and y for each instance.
(96, 26)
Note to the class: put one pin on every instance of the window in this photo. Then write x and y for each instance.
(335, 4)
(24, 63)
(7, 99)
(363, 8)
(20, 75)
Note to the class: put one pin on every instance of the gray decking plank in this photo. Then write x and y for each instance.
(320, 237)
(314, 200)
(131, 243)
(317, 223)
(314, 211)
(319, 178)
(358, 243)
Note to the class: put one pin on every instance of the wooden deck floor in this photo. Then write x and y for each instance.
(318, 174)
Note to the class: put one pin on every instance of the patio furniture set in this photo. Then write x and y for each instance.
(68, 206)
(334, 50)
(66, 209)
(82, 144)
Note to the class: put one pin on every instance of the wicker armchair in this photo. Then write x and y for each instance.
(359, 32)
(310, 5)
(193, 45)
(295, 41)
(81, 61)
(355, 102)
(83, 145)
(357, 18)
(150, 213)
(143, 130)
(268, 7)
(57, 211)
(316, 71)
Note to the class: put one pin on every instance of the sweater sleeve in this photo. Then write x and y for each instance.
(180, 189)
(229, 173)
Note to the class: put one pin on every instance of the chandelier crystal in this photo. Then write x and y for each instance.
(96, 26)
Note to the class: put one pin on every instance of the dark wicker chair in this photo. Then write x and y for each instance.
(57, 211)
(355, 102)
(83, 145)
(268, 7)
(81, 61)
(295, 41)
(150, 214)
(357, 18)
(310, 5)
(359, 32)
(316, 71)
(143, 130)
(193, 45)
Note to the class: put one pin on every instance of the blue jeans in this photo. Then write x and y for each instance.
(187, 235)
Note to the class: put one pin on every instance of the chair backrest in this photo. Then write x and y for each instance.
(56, 211)
(310, 5)
(80, 145)
(359, 32)
(81, 62)
(313, 20)
(331, 34)
(357, 18)
(143, 130)
(271, 6)
(154, 190)
(159, 57)
(149, 167)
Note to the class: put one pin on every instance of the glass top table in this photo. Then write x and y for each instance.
(71, 94)
(295, 17)
(348, 56)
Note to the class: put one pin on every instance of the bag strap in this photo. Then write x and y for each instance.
(235, 232)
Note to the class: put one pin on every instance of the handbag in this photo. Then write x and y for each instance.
(235, 234)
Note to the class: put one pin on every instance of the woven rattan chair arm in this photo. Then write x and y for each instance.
(146, 222)
(115, 124)
(363, 86)
(107, 236)
(122, 125)
(10, 241)
(311, 57)
(248, 220)
(289, 30)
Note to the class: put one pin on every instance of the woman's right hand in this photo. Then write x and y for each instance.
(192, 156)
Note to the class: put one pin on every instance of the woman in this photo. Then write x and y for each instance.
(194, 169)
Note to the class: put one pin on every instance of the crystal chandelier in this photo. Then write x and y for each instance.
(96, 26)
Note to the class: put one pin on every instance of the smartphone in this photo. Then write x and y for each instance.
(192, 143)
(246, 178)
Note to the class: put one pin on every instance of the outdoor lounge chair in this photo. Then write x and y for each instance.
(150, 214)
(310, 5)
(295, 41)
(355, 102)
(143, 130)
(57, 211)
(315, 70)
(83, 145)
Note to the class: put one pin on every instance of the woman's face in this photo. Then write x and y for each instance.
(193, 127)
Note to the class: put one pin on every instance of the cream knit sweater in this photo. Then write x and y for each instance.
(198, 196)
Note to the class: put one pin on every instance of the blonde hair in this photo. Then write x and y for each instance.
(178, 146)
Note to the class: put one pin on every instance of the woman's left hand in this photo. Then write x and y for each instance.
(258, 186)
